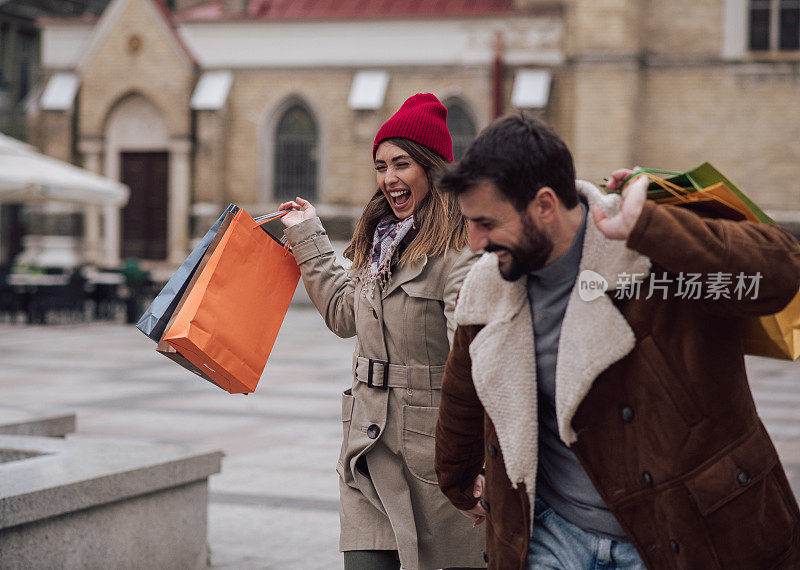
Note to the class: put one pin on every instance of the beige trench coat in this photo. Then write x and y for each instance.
(395, 502)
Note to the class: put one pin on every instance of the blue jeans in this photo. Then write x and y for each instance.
(560, 545)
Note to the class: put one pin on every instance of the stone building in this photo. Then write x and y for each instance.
(19, 70)
(254, 101)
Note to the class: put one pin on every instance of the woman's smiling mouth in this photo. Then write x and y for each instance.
(400, 198)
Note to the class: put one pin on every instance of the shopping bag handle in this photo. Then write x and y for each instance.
(670, 187)
(650, 173)
(261, 220)
(653, 178)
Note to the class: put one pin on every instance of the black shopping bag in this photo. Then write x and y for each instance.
(154, 321)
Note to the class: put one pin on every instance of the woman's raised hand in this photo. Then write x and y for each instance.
(302, 210)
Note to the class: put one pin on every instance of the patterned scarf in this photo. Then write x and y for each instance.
(386, 242)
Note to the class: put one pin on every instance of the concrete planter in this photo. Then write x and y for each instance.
(102, 503)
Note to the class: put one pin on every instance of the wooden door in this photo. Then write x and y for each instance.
(144, 219)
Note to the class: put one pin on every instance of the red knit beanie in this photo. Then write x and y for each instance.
(422, 119)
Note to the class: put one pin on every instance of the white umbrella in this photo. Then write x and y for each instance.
(28, 176)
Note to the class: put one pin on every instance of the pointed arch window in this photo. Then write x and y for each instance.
(296, 150)
(461, 126)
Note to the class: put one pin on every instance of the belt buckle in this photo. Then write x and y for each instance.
(385, 383)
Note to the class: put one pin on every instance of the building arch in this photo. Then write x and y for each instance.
(136, 149)
(134, 122)
(94, 123)
(461, 123)
(292, 151)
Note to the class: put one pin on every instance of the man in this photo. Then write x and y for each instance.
(616, 428)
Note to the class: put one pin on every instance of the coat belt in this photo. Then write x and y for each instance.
(417, 377)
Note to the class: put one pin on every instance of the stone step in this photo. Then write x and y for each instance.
(15, 421)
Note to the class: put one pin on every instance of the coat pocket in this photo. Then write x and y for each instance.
(347, 415)
(746, 504)
(422, 289)
(419, 427)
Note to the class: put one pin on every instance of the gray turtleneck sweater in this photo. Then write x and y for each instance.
(561, 482)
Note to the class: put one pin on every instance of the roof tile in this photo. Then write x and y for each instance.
(351, 9)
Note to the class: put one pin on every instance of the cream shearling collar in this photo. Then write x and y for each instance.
(594, 335)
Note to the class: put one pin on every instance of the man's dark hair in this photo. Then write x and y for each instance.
(520, 155)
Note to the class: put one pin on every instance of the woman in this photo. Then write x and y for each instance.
(409, 259)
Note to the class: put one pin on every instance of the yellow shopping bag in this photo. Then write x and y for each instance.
(775, 336)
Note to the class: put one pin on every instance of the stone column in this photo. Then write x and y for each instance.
(91, 149)
(179, 199)
(111, 235)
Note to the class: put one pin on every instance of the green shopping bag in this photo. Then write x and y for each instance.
(702, 188)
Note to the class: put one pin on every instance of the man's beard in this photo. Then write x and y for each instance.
(529, 254)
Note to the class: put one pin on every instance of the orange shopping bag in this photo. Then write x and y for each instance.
(230, 319)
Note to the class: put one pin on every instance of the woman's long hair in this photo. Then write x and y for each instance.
(441, 225)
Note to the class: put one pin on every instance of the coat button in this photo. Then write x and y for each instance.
(485, 505)
(374, 312)
(485, 557)
(627, 414)
(647, 478)
(373, 431)
(491, 450)
(744, 478)
(673, 546)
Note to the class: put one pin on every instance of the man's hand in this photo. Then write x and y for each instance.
(620, 225)
(302, 210)
(477, 511)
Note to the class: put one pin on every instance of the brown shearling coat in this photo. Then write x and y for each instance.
(655, 404)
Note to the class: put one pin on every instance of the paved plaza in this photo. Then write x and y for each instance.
(274, 505)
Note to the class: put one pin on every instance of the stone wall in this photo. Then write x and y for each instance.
(137, 56)
(603, 132)
(652, 88)
(601, 26)
(683, 27)
(738, 118)
(209, 160)
(346, 174)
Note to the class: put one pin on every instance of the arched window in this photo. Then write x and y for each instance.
(461, 126)
(296, 155)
